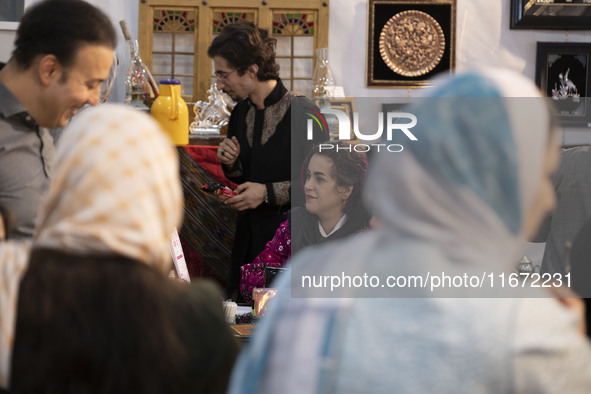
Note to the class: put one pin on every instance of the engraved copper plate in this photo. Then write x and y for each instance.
(412, 43)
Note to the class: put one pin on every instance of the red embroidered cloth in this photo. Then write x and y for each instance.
(205, 156)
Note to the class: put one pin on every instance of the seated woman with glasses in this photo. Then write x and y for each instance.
(333, 184)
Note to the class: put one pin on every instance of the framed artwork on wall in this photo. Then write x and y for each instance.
(410, 41)
(11, 12)
(563, 73)
(551, 14)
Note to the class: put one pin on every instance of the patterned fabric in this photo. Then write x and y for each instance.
(115, 188)
(281, 191)
(275, 255)
(205, 158)
(298, 232)
(208, 226)
(13, 262)
(272, 117)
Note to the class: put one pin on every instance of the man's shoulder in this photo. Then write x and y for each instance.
(302, 100)
(13, 116)
(7, 130)
(580, 151)
(11, 129)
(9, 104)
(574, 158)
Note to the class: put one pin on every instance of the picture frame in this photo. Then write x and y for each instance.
(551, 14)
(345, 104)
(390, 23)
(11, 13)
(563, 73)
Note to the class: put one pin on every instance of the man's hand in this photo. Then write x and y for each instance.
(228, 151)
(250, 195)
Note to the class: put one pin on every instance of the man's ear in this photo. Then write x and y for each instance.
(253, 69)
(49, 70)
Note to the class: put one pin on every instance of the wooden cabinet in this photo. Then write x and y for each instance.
(174, 36)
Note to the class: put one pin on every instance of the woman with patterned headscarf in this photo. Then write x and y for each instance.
(459, 203)
(96, 311)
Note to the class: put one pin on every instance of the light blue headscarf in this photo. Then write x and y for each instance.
(466, 183)
(466, 137)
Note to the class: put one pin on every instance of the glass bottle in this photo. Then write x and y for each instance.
(140, 87)
(323, 76)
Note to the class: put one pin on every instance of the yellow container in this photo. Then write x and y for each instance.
(170, 110)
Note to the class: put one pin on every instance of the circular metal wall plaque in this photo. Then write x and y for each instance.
(412, 43)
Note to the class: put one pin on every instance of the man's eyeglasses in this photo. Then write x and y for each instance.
(223, 75)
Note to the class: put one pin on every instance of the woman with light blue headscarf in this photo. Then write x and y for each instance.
(460, 201)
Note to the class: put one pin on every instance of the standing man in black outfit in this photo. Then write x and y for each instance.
(258, 151)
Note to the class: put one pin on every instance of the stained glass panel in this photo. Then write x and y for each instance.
(293, 24)
(174, 20)
(222, 18)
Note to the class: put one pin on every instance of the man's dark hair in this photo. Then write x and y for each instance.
(60, 28)
(242, 44)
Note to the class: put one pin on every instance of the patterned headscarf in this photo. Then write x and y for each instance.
(14, 256)
(115, 188)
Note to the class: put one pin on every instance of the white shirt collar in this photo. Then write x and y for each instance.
(339, 224)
